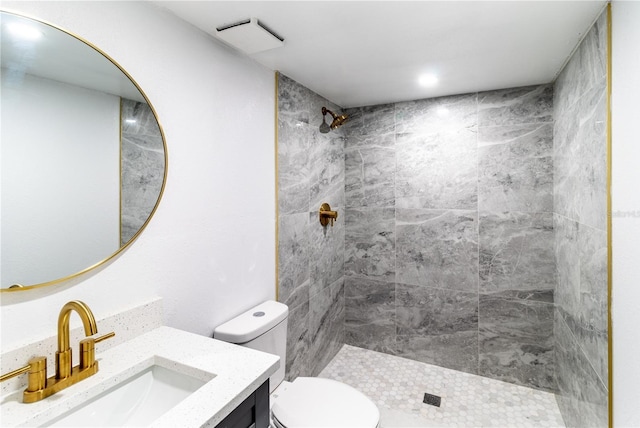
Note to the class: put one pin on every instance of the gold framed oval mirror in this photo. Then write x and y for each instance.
(83, 156)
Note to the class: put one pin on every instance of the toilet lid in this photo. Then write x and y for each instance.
(317, 402)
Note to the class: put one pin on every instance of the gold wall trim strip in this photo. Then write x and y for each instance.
(277, 79)
(609, 219)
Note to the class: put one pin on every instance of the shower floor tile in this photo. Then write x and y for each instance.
(398, 386)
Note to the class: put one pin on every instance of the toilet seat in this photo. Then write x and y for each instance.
(322, 403)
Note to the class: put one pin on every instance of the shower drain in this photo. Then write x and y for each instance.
(431, 399)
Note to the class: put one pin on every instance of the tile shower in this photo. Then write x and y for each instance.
(580, 222)
(471, 234)
(311, 258)
(458, 268)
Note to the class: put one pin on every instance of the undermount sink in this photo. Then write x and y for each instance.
(137, 400)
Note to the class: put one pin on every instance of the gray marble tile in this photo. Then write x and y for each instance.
(293, 259)
(425, 311)
(586, 68)
(580, 129)
(458, 351)
(370, 141)
(516, 341)
(515, 168)
(375, 121)
(437, 170)
(370, 241)
(599, 46)
(326, 325)
(436, 115)
(293, 101)
(516, 252)
(580, 222)
(567, 295)
(437, 248)
(311, 258)
(300, 105)
(593, 343)
(353, 127)
(370, 176)
(326, 170)
(538, 137)
(297, 363)
(530, 104)
(592, 244)
(588, 317)
(326, 251)
(581, 254)
(293, 168)
(543, 296)
(582, 397)
(565, 144)
(308, 160)
(370, 314)
(580, 159)
(143, 167)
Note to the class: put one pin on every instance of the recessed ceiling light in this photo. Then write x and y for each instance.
(428, 79)
(24, 31)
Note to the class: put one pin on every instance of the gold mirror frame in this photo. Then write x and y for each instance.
(164, 178)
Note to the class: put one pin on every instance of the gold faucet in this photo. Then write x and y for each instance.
(63, 356)
(39, 386)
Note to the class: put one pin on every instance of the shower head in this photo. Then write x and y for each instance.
(337, 120)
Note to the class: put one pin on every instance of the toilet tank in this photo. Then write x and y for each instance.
(263, 328)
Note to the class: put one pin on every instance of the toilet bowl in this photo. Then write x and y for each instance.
(307, 401)
(318, 402)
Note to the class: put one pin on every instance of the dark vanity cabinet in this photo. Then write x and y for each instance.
(252, 412)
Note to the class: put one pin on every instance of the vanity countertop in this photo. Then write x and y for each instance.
(238, 372)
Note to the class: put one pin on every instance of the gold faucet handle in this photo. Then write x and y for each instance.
(326, 215)
(88, 350)
(37, 369)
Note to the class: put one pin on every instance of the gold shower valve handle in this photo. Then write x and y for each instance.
(327, 215)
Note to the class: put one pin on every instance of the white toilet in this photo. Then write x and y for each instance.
(307, 401)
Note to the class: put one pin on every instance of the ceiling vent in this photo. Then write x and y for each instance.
(250, 36)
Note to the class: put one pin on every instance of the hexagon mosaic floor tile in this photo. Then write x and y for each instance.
(398, 386)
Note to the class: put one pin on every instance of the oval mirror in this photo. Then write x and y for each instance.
(83, 157)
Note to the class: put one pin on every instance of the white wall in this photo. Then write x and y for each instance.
(626, 213)
(209, 250)
(60, 179)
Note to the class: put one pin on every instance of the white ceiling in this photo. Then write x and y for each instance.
(358, 53)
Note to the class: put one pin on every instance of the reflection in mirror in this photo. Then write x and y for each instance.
(82, 155)
(142, 162)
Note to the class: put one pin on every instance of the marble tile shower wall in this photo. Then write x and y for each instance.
(449, 244)
(581, 238)
(311, 257)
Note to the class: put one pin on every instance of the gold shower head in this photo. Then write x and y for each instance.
(337, 120)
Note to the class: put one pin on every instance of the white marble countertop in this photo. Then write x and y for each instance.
(238, 372)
